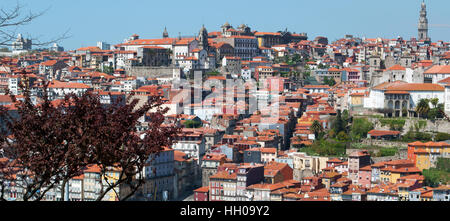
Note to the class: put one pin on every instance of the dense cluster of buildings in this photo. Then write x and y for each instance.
(332, 179)
(254, 107)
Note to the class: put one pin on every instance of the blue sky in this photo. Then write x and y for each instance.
(112, 21)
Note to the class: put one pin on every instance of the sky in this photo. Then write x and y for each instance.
(111, 21)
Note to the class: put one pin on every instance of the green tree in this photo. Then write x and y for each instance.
(342, 137)
(331, 133)
(316, 128)
(384, 152)
(360, 128)
(443, 164)
(326, 80)
(339, 124)
(346, 116)
(192, 124)
(442, 137)
(306, 74)
(326, 148)
(331, 82)
(438, 175)
(423, 107)
(108, 69)
(434, 102)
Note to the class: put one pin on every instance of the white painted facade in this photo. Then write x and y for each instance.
(184, 50)
(13, 85)
(204, 113)
(447, 99)
(193, 148)
(415, 96)
(246, 74)
(57, 93)
(375, 99)
(437, 77)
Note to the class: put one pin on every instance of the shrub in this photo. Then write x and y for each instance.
(385, 152)
(394, 124)
(442, 137)
(192, 124)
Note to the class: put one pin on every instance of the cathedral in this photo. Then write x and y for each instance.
(21, 44)
(423, 24)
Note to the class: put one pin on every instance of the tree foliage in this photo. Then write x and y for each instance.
(316, 128)
(192, 124)
(384, 152)
(47, 144)
(360, 128)
(438, 175)
(339, 124)
(423, 107)
(14, 17)
(442, 137)
(329, 81)
(412, 135)
(394, 123)
(326, 148)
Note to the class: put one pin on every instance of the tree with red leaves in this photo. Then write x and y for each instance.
(46, 145)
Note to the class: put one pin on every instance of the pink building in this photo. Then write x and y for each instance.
(201, 194)
(364, 176)
(357, 160)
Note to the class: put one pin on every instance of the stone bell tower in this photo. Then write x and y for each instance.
(423, 23)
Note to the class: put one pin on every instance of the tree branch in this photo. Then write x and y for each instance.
(14, 18)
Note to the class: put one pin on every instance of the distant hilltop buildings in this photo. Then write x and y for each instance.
(21, 44)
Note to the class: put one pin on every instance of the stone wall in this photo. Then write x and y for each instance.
(154, 72)
(431, 127)
(384, 143)
(299, 174)
(401, 154)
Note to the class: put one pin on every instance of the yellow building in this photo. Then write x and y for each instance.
(422, 159)
(396, 169)
(425, 155)
(357, 99)
(111, 177)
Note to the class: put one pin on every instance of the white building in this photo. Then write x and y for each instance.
(58, 89)
(411, 93)
(436, 73)
(192, 144)
(246, 73)
(13, 84)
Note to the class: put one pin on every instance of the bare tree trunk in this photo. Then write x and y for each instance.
(63, 189)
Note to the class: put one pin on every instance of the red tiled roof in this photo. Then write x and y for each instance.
(416, 87)
(203, 189)
(438, 69)
(49, 63)
(397, 68)
(396, 92)
(224, 175)
(59, 84)
(383, 132)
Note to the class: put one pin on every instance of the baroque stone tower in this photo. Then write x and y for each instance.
(423, 23)
(203, 38)
(165, 33)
